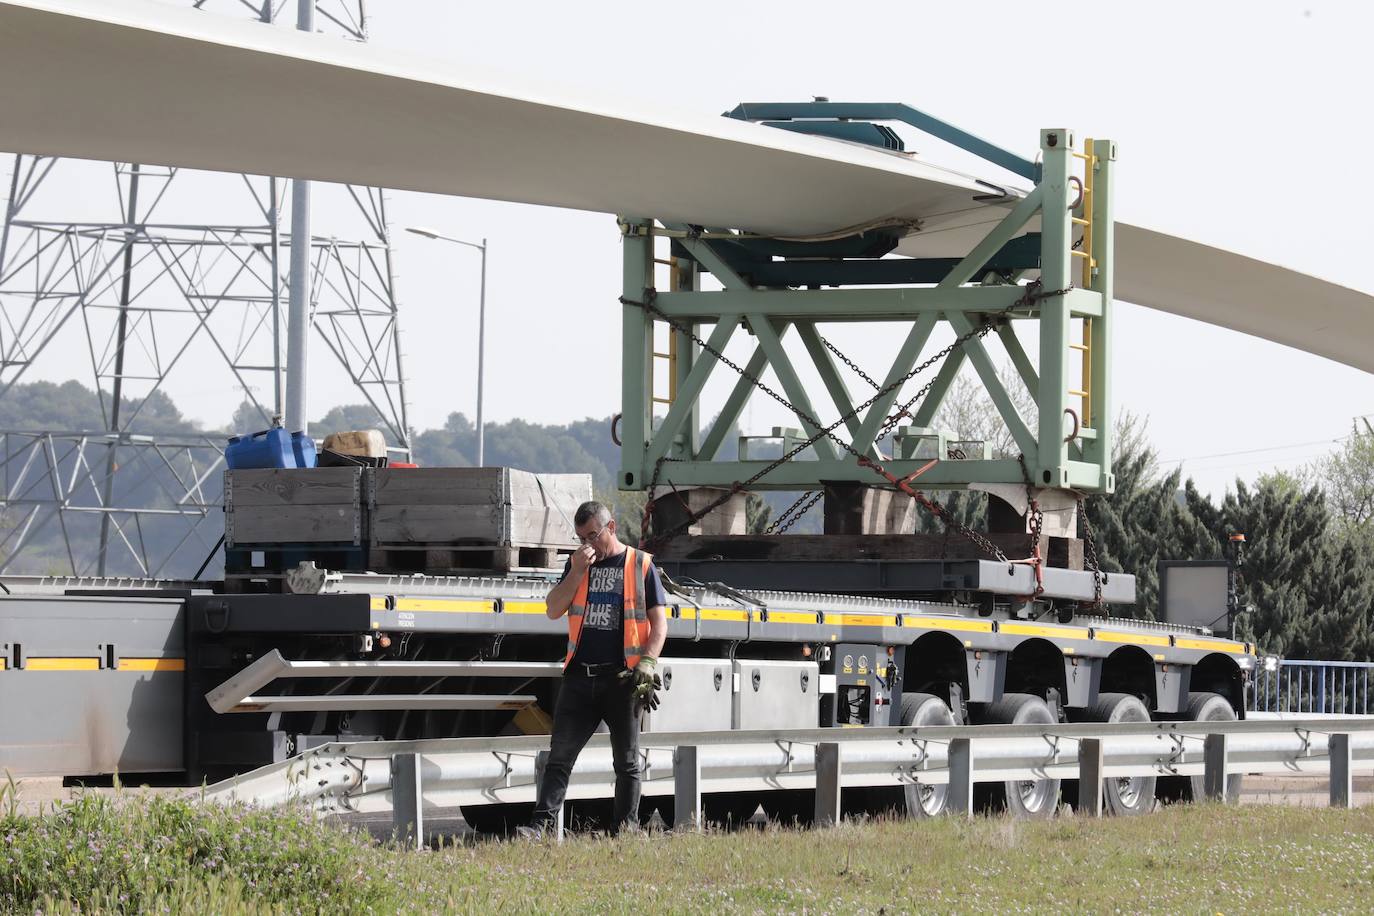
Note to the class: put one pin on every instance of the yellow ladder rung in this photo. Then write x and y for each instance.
(662, 401)
(1078, 221)
(1082, 347)
(666, 262)
(1078, 394)
(664, 355)
(1083, 254)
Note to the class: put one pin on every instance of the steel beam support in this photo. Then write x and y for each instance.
(935, 398)
(1342, 774)
(771, 340)
(1090, 777)
(686, 788)
(636, 358)
(987, 372)
(688, 391)
(828, 779)
(1019, 358)
(1214, 755)
(1056, 149)
(906, 358)
(1099, 450)
(830, 377)
(959, 801)
(845, 305)
(734, 404)
(407, 800)
(804, 474)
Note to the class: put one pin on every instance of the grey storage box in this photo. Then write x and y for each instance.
(770, 694)
(293, 506)
(696, 696)
(449, 519)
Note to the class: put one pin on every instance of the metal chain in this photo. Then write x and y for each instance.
(793, 513)
(1090, 551)
(1033, 294)
(850, 363)
(1035, 524)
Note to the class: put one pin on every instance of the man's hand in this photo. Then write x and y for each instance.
(645, 681)
(582, 558)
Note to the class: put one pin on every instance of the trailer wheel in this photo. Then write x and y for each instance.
(1202, 707)
(919, 800)
(1028, 798)
(1132, 794)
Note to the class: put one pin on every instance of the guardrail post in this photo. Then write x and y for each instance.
(686, 788)
(1214, 768)
(960, 798)
(541, 760)
(407, 805)
(1342, 779)
(827, 784)
(1090, 777)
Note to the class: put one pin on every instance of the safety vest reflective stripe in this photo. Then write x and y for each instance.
(636, 618)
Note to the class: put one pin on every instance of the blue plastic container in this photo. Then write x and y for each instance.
(303, 448)
(271, 448)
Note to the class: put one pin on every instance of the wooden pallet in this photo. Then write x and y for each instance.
(464, 559)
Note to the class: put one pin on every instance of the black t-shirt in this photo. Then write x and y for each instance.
(603, 626)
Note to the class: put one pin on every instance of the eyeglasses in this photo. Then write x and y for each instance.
(589, 538)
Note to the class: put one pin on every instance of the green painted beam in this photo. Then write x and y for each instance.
(792, 386)
(824, 362)
(839, 305)
(734, 404)
(689, 392)
(636, 359)
(1020, 360)
(935, 397)
(1056, 147)
(906, 358)
(987, 372)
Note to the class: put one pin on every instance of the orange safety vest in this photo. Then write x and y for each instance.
(636, 616)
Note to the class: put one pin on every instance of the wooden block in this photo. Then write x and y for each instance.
(672, 507)
(293, 506)
(856, 508)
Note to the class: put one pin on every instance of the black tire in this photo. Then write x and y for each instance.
(1124, 795)
(498, 820)
(1211, 707)
(914, 800)
(1031, 798)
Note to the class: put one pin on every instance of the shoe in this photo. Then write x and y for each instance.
(533, 833)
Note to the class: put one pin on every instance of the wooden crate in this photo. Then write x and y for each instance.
(473, 507)
(294, 506)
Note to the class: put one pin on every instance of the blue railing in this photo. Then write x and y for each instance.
(1303, 686)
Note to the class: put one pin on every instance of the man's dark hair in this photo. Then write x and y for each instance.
(589, 510)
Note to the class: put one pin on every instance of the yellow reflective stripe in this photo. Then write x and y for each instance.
(1139, 639)
(152, 664)
(1211, 645)
(62, 664)
(945, 623)
(1026, 629)
(446, 605)
(686, 613)
(791, 617)
(525, 607)
(378, 603)
(3, 664)
(716, 613)
(862, 620)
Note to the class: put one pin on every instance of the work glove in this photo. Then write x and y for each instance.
(645, 681)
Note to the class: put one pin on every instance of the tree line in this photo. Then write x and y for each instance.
(1308, 576)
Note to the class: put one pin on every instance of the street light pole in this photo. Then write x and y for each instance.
(481, 328)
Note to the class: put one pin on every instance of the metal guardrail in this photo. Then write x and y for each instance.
(1308, 686)
(407, 777)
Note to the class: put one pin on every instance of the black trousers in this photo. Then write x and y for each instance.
(583, 704)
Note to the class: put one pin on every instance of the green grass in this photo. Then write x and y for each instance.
(158, 855)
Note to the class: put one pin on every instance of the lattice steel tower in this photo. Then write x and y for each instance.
(177, 281)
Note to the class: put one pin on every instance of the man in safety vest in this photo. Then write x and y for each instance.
(616, 628)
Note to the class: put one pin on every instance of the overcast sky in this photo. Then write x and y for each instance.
(1242, 124)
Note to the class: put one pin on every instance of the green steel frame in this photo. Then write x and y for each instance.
(1054, 456)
